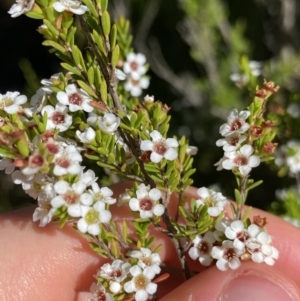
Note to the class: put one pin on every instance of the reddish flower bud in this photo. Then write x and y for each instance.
(262, 93)
(270, 86)
(259, 221)
(145, 157)
(269, 147)
(256, 131)
(268, 124)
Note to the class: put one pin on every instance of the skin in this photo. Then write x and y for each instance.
(57, 264)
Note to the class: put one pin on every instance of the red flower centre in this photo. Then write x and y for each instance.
(233, 141)
(236, 124)
(203, 247)
(71, 197)
(115, 273)
(36, 160)
(146, 204)
(242, 236)
(240, 161)
(134, 66)
(229, 254)
(75, 99)
(52, 148)
(160, 148)
(58, 118)
(63, 162)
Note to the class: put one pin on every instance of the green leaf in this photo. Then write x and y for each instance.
(70, 68)
(113, 36)
(246, 214)
(51, 28)
(71, 35)
(104, 4)
(115, 56)
(86, 88)
(76, 53)
(105, 21)
(238, 197)
(55, 45)
(254, 185)
(91, 75)
(103, 91)
(22, 146)
(98, 40)
(36, 12)
(91, 7)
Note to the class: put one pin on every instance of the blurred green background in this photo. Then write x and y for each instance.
(193, 47)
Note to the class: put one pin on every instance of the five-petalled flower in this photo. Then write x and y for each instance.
(160, 147)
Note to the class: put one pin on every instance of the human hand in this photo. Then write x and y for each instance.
(47, 264)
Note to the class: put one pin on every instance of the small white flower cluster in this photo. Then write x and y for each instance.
(135, 68)
(241, 79)
(147, 202)
(133, 275)
(54, 159)
(289, 156)
(160, 147)
(231, 242)
(24, 6)
(234, 133)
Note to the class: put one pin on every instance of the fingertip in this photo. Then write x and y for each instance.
(83, 296)
(251, 281)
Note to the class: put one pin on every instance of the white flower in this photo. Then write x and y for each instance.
(75, 98)
(85, 179)
(135, 65)
(231, 142)
(71, 196)
(192, 150)
(149, 99)
(160, 147)
(220, 227)
(116, 272)
(293, 110)
(202, 248)
(289, 155)
(7, 165)
(227, 256)
(44, 212)
(32, 184)
(67, 161)
(255, 68)
(35, 163)
(48, 83)
(236, 123)
(102, 194)
(37, 102)
(57, 117)
(140, 284)
(87, 136)
(108, 123)
(92, 218)
(135, 86)
(239, 234)
(74, 6)
(261, 249)
(11, 101)
(99, 293)
(20, 7)
(147, 260)
(242, 159)
(214, 200)
(120, 74)
(147, 202)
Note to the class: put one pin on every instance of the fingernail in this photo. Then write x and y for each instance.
(83, 296)
(252, 286)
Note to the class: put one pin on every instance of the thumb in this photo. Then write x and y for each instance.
(250, 282)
